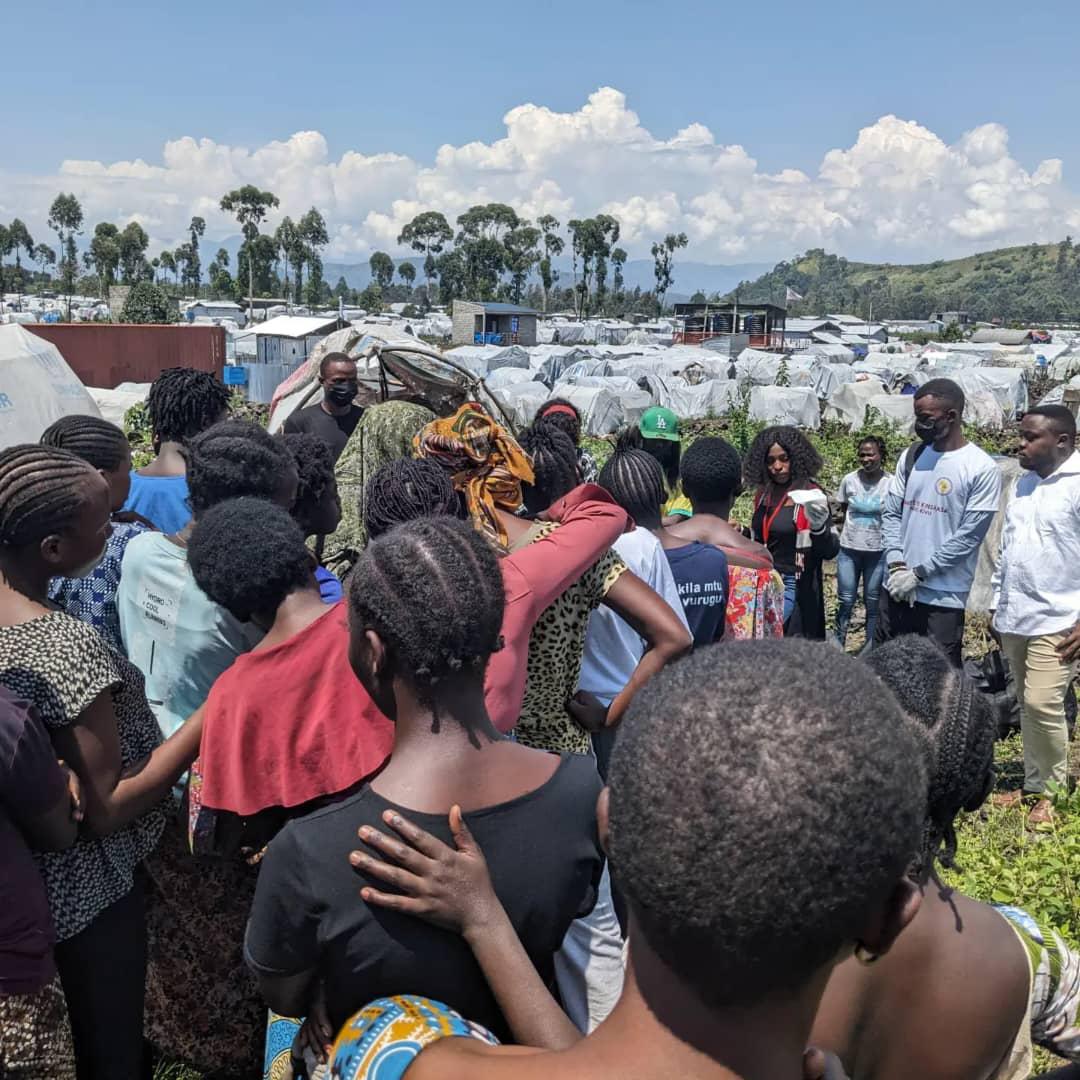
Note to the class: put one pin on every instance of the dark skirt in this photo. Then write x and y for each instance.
(202, 1004)
(35, 1036)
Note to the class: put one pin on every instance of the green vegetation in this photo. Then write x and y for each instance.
(1038, 283)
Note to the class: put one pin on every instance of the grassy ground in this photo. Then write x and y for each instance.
(999, 860)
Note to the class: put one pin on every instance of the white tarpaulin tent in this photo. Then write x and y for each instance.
(521, 400)
(601, 410)
(480, 359)
(114, 404)
(897, 410)
(796, 405)
(847, 403)
(36, 387)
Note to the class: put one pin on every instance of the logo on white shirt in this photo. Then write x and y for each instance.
(943, 485)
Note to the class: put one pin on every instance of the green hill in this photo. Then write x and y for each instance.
(1039, 283)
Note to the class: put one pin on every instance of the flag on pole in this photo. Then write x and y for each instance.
(791, 295)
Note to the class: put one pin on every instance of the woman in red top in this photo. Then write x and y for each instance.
(287, 729)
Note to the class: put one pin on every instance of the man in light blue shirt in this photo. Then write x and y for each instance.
(939, 507)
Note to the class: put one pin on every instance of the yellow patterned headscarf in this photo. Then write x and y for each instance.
(486, 462)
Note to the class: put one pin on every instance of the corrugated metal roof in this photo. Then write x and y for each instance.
(506, 309)
(804, 326)
(295, 326)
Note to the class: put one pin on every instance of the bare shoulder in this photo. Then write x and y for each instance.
(450, 1059)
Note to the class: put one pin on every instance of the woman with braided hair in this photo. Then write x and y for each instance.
(182, 403)
(420, 644)
(105, 446)
(968, 987)
(54, 521)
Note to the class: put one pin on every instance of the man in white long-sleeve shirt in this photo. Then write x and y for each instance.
(940, 504)
(1037, 596)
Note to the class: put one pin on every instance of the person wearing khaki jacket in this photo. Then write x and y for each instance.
(1037, 598)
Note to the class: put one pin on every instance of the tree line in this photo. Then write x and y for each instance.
(492, 254)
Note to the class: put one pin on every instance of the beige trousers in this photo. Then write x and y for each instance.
(1041, 682)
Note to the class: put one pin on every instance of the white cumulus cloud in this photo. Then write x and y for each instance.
(899, 191)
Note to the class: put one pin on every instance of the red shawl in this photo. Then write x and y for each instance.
(291, 723)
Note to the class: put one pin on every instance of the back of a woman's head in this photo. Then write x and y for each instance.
(234, 458)
(407, 489)
(667, 452)
(315, 477)
(635, 481)
(805, 460)
(432, 590)
(959, 728)
(758, 823)
(93, 439)
(247, 555)
(554, 461)
(561, 414)
(183, 402)
(42, 492)
(711, 471)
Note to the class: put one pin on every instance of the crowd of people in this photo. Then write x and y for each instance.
(402, 745)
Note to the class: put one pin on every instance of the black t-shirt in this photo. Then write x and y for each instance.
(545, 861)
(782, 534)
(333, 430)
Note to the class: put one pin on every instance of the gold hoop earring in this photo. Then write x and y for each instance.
(865, 956)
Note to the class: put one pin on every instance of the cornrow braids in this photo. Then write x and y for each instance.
(554, 461)
(42, 491)
(432, 590)
(183, 402)
(805, 460)
(95, 440)
(635, 480)
(958, 729)
(406, 489)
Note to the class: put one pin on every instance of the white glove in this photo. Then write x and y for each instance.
(902, 585)
(818, 514)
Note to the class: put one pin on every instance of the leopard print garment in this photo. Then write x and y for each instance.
(555, 649)
(35, 1035)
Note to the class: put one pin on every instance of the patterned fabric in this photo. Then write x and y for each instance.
(35, 1036)
(92, 599)
(381, 1041)
(755, 607)
(277, 1053)
(202, 1004)
(555, 649)
(586, 464)
(1055, 994)
(385, 433)
(487, 464)
(60, 665)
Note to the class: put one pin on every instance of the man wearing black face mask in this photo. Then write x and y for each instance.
(335, 417)
(940, 505)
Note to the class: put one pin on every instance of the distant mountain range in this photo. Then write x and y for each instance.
(690, 277)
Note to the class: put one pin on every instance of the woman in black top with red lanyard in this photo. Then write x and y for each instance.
(792, 519)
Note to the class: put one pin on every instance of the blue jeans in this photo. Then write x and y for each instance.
(790, 586)
(850, 566)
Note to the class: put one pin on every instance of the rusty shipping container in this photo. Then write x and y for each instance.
(107, 354)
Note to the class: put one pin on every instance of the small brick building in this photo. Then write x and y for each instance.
(486, 323)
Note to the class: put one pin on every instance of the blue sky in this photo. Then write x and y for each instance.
(788, 81)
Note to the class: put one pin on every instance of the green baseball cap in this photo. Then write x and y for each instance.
(659, 423)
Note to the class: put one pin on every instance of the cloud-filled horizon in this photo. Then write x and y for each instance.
(897, 193)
